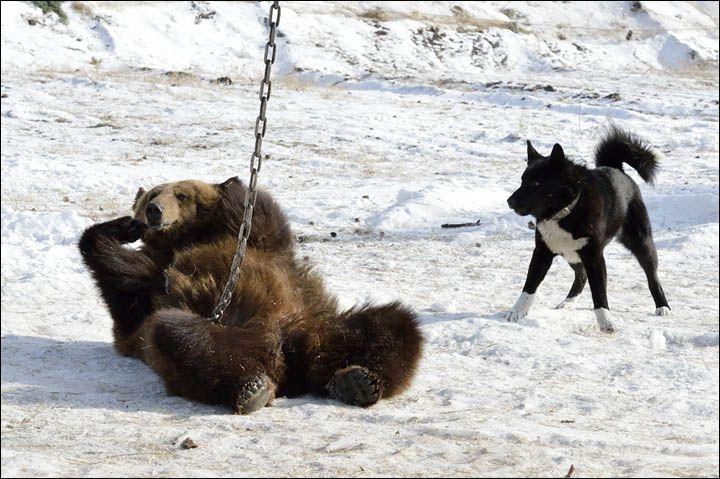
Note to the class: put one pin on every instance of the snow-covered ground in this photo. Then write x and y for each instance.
(386, 121)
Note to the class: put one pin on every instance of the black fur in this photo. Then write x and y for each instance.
(607, 204)
(618, 147)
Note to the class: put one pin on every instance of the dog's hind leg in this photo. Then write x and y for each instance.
(577, 286)
(636, 235)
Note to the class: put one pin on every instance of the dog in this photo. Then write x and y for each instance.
(578, 211)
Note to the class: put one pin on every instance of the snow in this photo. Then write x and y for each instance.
(380, 138)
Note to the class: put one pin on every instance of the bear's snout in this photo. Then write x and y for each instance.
(153, 213)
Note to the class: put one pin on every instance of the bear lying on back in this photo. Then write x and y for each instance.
(284, 334)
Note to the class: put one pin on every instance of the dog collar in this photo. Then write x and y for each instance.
(564, 212)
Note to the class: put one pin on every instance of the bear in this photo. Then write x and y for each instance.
(282, 334)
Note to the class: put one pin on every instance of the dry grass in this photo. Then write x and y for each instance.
(295, 82)
(181, 78)
(459, 19)
(292, 82)
(162, 141)
(82, 8)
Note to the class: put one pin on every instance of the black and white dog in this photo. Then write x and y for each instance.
(579, 211)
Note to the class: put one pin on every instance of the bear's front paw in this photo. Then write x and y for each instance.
(126, 229)
(355, 385)
(252, 394)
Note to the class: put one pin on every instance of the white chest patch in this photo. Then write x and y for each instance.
(561, 241)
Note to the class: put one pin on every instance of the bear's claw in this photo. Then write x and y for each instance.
(355, 385)
(253, 394)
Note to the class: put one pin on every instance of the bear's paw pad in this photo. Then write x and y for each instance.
(355, 385)
(252, 394)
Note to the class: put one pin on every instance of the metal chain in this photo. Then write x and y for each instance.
(255, 164)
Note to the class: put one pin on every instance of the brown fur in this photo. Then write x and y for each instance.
(281, 323)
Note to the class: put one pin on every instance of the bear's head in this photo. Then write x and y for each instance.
(191, 212)
(173, 207)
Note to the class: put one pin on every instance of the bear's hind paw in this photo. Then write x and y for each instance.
(254, 393)
(355, 385)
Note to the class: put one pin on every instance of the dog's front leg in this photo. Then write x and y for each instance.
(594, 262)
(539, 265)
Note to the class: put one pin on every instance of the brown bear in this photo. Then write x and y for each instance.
(283, 334)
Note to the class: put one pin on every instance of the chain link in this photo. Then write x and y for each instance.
(255, 165)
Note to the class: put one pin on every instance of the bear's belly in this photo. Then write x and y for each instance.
(560, 241)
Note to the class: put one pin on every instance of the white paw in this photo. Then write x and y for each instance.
(567, 303)
(662, 311)
(514, 316)
(521, 308)
(602, 316)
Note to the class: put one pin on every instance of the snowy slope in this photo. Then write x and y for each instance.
(379, 138)
(454, 41)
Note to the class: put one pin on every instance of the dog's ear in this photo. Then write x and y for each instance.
(532, 154)
(557, 154)
(140, 192)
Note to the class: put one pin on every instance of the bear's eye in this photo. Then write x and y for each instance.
(181, 196)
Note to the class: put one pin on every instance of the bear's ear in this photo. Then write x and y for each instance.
(229, 182)
(140, 192)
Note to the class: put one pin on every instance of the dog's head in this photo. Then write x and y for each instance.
(546, 187)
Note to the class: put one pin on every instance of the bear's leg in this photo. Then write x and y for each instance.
(237, 366)
(364, 354)
(127, 279)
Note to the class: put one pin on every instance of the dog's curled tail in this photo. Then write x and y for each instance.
(620, 146)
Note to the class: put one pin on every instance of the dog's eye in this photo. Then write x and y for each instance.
(181, 196)
(535, 183)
